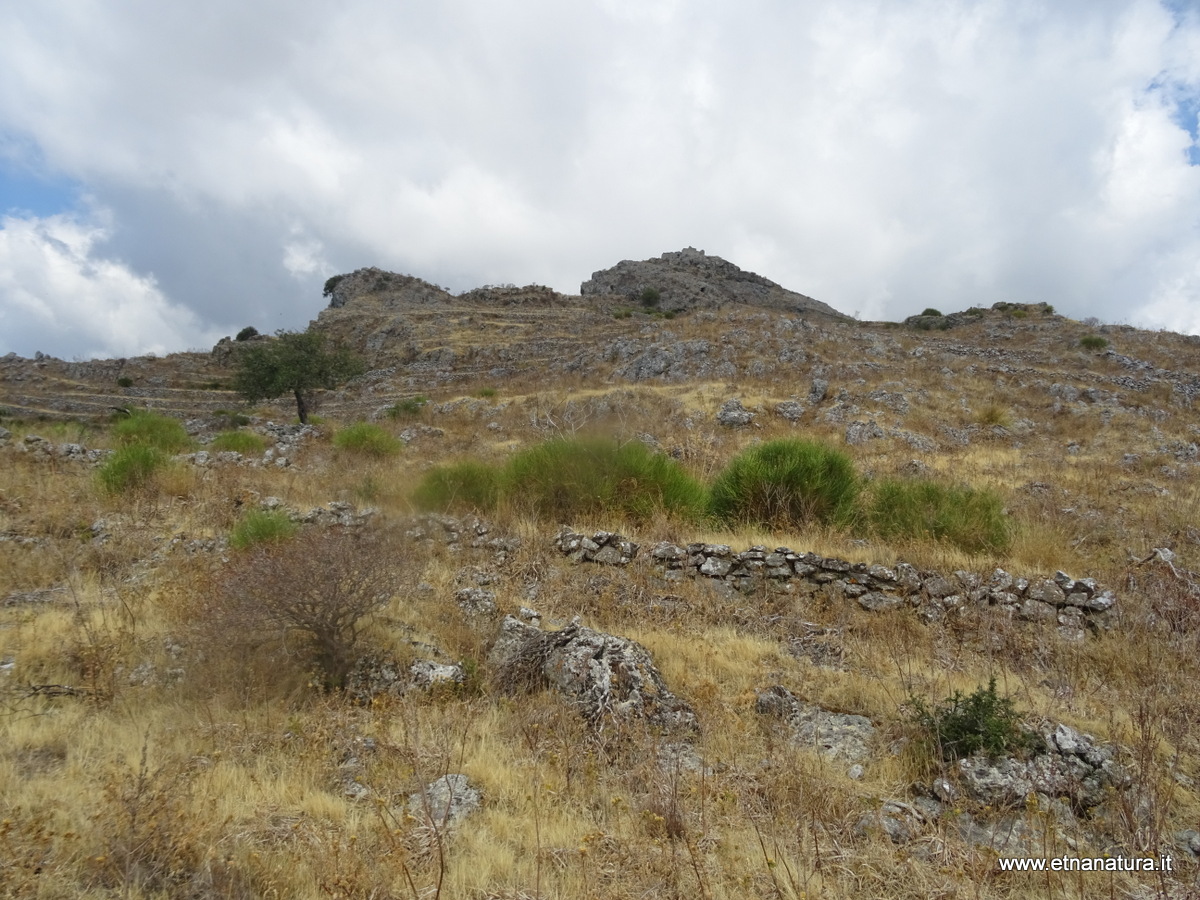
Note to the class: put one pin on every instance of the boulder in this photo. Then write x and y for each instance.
(791, 410)
(733, 415)
(610, 679)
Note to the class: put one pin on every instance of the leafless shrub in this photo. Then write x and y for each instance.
(322, 586)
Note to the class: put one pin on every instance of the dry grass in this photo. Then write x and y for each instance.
(167, 771)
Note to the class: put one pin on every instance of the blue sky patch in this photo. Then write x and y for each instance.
(1187, 116)
(23, 192)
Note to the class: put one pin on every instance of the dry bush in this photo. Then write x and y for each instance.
(321, 586)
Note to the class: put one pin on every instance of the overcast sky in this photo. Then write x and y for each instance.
(170, 173)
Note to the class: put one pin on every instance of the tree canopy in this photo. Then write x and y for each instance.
(299, 362)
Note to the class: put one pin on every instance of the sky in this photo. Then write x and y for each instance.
(170, 173)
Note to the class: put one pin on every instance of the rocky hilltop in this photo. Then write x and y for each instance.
(400, 320)
(691, 279)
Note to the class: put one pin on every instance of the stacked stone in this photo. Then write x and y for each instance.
(1072, 604)
(606, 547)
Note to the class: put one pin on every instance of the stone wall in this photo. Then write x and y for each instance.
(1073, 605)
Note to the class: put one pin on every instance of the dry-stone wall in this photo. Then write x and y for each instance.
(1073, 605)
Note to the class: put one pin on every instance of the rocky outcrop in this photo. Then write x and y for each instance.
(1069, 765)
(835, 735)
(388, 288)
(733, 415)
(970, 316)
(690, 279)
(374, 677)
(612, 680)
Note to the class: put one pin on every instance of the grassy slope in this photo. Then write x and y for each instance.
(241, 790)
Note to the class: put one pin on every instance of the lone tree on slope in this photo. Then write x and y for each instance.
(296, 361)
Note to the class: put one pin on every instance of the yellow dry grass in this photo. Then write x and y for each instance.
(167, 772)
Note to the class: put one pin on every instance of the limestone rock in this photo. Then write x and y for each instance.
(476, 601)
(733, 415)
(1070, 765)
(427, 674)
(859, 432)
(446, 801)
(791, 410)
(836, 735)
(604, 547)
(690, 279)
(609, 678)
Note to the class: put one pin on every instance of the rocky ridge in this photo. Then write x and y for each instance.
(691, 279)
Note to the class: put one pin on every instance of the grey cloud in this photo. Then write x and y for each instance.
(879, 159)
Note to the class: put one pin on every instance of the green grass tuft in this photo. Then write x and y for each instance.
(1093, 342)
(785, 484)
(460, 486)
(131, 468)
(407, 408)
(149, 429)
(260, 526)
(367, 439)
(244, 442)
(972, 520)
(566, 479)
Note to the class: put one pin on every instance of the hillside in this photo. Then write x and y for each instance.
(654, 700)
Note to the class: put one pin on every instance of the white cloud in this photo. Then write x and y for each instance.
(879, 157)
(61, 297)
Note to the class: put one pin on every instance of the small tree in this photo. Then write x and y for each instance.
(296, 361)
(331, 284)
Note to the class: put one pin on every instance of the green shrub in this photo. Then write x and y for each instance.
(459, 486)
(152, 430)
(933, 323)
(487, 393)
(367, 439)
(651, 297)
(131, 467)
(125, 381)
(260, 526)
(1093, 342)
(407, 408)
(787, 483)
(623, 313)
(981, 722)
(245, 442)
(930, 311)
(246, 333)
(972, 520)
(567, 479)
